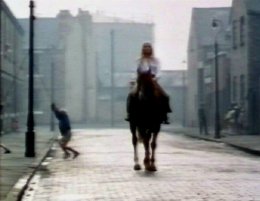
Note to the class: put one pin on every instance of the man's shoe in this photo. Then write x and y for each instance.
(7, 151)
(76, 154)
(66, 155)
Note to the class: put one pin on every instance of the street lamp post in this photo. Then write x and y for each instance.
(52, 123)
(1, 101)
(112, 36)
(184, 97)
(30, 134)
(52, 83)
(215, 24)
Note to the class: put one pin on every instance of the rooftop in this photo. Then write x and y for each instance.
(100, 17)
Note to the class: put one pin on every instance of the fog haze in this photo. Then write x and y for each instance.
(171, 19)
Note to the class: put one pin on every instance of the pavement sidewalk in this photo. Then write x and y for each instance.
(15, 169)
(15, 166)
(188, 170)
(248, 143)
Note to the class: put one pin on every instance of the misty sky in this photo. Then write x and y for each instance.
(171, 18)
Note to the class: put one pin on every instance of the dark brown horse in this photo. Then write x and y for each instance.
(145, 109)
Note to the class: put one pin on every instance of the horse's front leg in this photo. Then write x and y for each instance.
(153, 146)
(146, 142)
(135, 145)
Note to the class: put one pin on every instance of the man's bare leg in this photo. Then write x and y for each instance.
(7, 151)
(63, 147)
(76, 153)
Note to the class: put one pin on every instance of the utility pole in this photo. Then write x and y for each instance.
(1, 54)
(15, 119)
(97, 85)
(112, 36)
(216, 23)
(52, 123)
(15, 83)
(30, 134)
(184, 99)
(84, 41)
(217, 117)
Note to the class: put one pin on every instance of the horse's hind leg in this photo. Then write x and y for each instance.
(153, 146)
(135, 143)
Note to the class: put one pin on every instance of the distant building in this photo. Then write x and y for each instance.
(13, 71)
(45, 55)
(201, 66)
(77, 41)
(64, 50)
(245, 60)
(118, 45)
(84, 50)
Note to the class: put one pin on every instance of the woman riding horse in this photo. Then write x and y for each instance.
(149, 65)
(147, 107)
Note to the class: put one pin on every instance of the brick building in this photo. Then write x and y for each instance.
(201, 73)
(245, 60)
(13, 70)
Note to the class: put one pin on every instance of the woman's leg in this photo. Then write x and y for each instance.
(165, 102)
(130, 103)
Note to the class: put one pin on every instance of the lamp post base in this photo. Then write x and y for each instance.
(30, 142)
(217, 137)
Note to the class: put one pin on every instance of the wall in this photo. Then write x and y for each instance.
(254, 73)
(12, 70)
(239, 53)
(201, 66)
(192, 78)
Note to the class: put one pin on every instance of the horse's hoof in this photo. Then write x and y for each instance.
(137, 167)
(147, 167)
(151, 168)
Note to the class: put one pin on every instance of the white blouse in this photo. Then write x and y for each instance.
(144, 65)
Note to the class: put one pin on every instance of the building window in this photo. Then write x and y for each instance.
(234, 86)
(242, 31)
(242, 88)
(234, 34)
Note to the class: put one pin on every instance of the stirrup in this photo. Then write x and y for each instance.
(127, 118)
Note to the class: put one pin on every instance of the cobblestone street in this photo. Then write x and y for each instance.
(188, 169)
